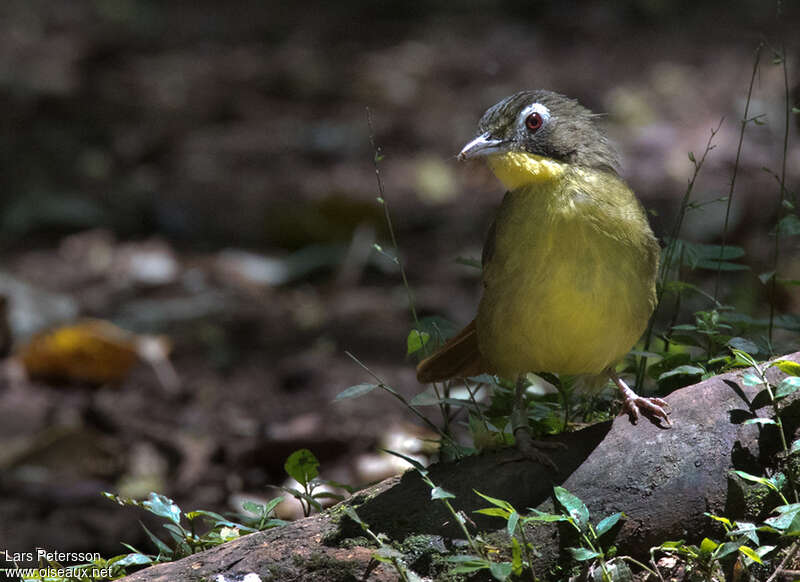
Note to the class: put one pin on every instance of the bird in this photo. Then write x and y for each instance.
(569, 264)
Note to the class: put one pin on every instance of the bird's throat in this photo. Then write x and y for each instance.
(515, 169)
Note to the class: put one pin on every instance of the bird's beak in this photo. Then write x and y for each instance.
(483, 145)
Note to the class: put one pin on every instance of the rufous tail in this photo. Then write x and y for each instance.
(459, 357)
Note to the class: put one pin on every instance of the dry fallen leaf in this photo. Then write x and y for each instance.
(94, 351)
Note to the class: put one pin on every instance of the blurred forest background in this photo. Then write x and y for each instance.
(203, 171)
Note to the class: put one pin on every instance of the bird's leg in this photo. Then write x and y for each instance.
(633, 404)
(530, 448)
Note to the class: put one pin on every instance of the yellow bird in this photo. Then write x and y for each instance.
(569, 264)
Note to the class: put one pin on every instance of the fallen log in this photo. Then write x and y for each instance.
(664, 481)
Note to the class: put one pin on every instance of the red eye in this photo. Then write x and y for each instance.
(534, 121)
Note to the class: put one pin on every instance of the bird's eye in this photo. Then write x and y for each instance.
(534, 121)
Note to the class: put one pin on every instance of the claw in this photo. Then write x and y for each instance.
(653, 408)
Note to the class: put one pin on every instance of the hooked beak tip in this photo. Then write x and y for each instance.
(483, 145)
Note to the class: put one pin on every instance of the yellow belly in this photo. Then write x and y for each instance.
(567, 288)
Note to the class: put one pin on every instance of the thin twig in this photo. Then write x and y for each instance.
(774, 280)
(744, 122)
(399, 396)
(387, 215)
(789, 555)
(670, 250)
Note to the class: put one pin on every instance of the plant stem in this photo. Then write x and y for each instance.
(774, 279)
(385, 203)
(400, 397)
(744, 122)
(669, 252)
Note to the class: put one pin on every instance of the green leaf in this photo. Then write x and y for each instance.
(163, 507)
(743, 344)
(493, 512)
(302, 466)
(511, 526)
(469, 262)
(685, 370)
(750, 379)
(516, 557)
(500, 570)
(753, 478)
(537, 515)
(795, 446)
(707, 545)
(416, 340)
(720, 519)
(761, 421)
(725, 549)
(134, 560)
(607, 523)
(744, 357)
(351, 513)
(163, 549)
(426, 398)
(787, 386)
(788, 367)
(496, 502)
(439, 493)
(468, 564)
(750, 554)
(766, 277)
(356, 391)
(789, 225)
(582, 554)
(574, 506)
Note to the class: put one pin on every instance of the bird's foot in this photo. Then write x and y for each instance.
(655, 409)
(533, 450)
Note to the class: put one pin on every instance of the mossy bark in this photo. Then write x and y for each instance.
(664, 481)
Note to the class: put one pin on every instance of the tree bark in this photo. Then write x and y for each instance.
(665, 480)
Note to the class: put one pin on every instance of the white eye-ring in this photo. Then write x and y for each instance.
(534, 116)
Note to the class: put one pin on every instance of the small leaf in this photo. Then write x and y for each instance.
(416, 340)
(609, 522)
(351, 513)
(302, 466)
(707, 545)
(582, 554)
(788, 367)
(500, 570)
(685, 370)
(355, 391)
(750, 554)
(134, 560)
(494, 512)
(754, 478)
(720, 519)
(537, 515)
(761, 421)
(691, 157)
(787, 386)
(743, 344)
(163, 507)
(750, 379)
(795, 446)
(766, 277)
(574, 506)
(496, 502)
(511, 526)
(439, 493)
(789, 225)
(725, 549)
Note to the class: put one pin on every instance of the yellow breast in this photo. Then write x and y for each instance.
(569, 286)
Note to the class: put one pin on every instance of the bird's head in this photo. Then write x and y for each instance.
(539, 133)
